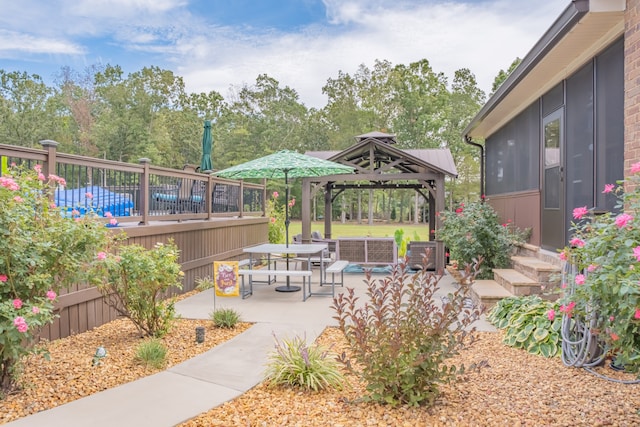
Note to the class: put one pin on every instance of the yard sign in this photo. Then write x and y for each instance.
(225, 278)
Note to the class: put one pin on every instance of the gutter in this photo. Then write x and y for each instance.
(562, 25)
(469, 141)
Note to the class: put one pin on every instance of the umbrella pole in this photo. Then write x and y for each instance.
(288, 287)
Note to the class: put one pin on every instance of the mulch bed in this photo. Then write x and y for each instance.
(508, 388)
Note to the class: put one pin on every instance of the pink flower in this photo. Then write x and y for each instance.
(88, 196)
(17, 199)
(580, 279)
(551, 314)
(567, 309)
(275, 194)
(108, 215)
(17, 303)
(591, 268)
(637, 315)
(101, 256)
(608, 188)
(562, 256)
(20, 324)
(37, 168)
(614, 336)
(9, 183)
(113, 221)
(578, 243)
(636, 253)
(35, 310)
(3, 278)
(578, 213)
(273, 220)
(459, 210)
(564, 285)
(75, 212)
(41, 176)
(52, 205)
(51, 295)
(623, 219)
(292, 203)
(611, 318)
(635, 168)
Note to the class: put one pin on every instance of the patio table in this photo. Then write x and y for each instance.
(270, 249)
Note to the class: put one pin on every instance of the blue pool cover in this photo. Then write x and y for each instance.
(102, 201)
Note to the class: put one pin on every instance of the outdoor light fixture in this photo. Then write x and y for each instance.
(199, 334)
(101, 353)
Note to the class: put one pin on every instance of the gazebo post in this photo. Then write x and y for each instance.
(327, 211)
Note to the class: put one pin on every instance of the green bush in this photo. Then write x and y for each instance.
(225, 318)
(530, 323)
(474, 231)
(204, 283)
(136, 282)
(402, 335)
(42, 250)
(152, 353)
(296, 363)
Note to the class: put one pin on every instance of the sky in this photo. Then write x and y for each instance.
(224, 44)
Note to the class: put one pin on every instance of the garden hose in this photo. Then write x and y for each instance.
(580, 347)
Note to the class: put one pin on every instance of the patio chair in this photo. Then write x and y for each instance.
(188, 195)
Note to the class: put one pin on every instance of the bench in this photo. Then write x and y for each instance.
(266, 272)
(336, 267)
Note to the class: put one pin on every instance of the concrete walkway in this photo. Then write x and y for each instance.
(212, 378)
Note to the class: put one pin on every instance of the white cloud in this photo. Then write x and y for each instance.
(482, 37)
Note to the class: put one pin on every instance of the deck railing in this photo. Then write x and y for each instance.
(139, 192)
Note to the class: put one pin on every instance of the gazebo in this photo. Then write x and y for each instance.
(380, 165)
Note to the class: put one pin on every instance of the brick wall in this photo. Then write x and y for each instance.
(632, 84)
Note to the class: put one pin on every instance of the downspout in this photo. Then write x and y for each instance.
(469, 141)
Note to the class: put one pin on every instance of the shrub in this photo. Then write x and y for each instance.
(530, 323)
(401, 336)
(204, 283)
(296, 363)
(602, 296)
(137, 280)
(276, 215)
(152, 353)
(474, 231)
(225, 318)
(41, 252)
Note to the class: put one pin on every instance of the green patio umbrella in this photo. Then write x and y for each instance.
(285, 164)
(207, 144)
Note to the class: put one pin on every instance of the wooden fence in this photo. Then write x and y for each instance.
(212, 220)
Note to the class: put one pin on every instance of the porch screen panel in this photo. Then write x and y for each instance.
(609, 122)
(579, 140)
(513, 154)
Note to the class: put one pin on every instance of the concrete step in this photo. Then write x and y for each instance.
(515, 282)
(541, 271)
(488, 293)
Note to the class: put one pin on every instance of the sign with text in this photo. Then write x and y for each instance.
(225, 278)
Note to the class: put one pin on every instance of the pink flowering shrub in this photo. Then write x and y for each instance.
(41, 252)
(605, 286)
(276, 215)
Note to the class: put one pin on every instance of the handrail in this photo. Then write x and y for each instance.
(141, 192)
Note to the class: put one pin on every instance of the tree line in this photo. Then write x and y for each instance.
(101, 112)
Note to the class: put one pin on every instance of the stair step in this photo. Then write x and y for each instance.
(488, 293)
(515, 282)
(536, 269)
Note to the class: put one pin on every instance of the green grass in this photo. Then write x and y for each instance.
(352, 229)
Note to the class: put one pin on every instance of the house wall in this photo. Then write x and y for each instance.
(521, 209)
(632, 84)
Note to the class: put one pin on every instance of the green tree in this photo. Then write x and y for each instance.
(26, 115)
(502, 75)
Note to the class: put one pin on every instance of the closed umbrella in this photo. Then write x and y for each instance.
(285, 164)
(207, 144)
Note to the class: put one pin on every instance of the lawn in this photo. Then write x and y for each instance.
(352, 229)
